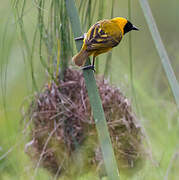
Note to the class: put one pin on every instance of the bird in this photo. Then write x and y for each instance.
(101, 38)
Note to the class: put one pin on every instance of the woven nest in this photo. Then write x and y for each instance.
(63, 130)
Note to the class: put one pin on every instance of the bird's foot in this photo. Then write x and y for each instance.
(89, 67)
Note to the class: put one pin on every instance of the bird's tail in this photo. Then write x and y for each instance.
(80, 58)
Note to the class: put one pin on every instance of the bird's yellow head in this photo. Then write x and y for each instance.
(124, 25)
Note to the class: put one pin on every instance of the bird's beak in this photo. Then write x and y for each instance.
(135, 28)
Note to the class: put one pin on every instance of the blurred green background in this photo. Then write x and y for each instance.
(156, 108)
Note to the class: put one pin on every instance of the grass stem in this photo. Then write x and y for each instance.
(95, 101)
(161, 49)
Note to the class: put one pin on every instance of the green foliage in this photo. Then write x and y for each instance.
(52, 35)
(161, 49)
(109, 56)
(97, 109)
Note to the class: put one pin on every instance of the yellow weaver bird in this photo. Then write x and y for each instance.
(101, 38)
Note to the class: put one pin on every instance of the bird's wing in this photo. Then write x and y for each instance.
(104, 34)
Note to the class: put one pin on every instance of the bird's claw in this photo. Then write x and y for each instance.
(89, 67)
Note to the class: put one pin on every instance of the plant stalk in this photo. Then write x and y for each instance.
(161, 49)
(95, 101)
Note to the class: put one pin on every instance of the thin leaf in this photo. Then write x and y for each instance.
(131, 60)
(30, 52)
(161, 49)
(109, 56)
(100, 16)
(95, 101)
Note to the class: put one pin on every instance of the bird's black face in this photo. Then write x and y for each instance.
(129, 27)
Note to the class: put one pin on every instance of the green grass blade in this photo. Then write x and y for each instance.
(107, 68)
(130, 48)
(95, 101)
(161, 49)
(100, 17)
(133, 92)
